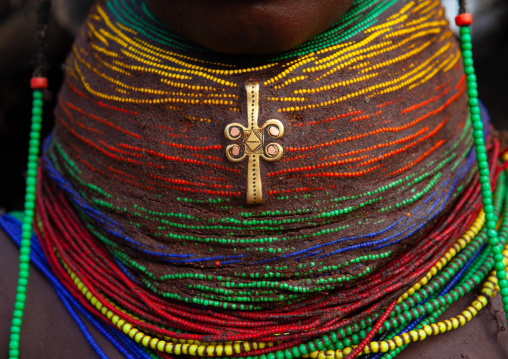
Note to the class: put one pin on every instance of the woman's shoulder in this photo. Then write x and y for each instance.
(48, 331)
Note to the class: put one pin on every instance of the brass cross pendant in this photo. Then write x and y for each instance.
(255, 143)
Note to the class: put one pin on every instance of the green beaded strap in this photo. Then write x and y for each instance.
(464, 20)
(38, 84)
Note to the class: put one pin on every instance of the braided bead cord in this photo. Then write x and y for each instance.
(464, 20)
(31, 181)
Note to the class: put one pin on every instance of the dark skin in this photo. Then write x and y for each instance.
(249, 26)
(239, 27)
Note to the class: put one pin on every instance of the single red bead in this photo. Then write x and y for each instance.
(464, 19)
(37, 83)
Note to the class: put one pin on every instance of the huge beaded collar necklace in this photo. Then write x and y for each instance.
(324, 202)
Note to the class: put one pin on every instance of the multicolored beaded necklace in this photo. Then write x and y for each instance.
(155, 323)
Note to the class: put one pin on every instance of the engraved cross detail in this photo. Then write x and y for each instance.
(254, 143)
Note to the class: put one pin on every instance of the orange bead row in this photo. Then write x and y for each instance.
(189, 183)
(302, 189)
(315, 167)
(344, 174)
(419, 159)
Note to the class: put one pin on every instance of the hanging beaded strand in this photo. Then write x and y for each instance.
(464, 20)
(38, 83)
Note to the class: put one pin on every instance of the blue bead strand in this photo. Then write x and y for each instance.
(12, 227)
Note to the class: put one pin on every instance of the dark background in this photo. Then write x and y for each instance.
(17, 33)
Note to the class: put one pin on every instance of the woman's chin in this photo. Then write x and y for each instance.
(249, 27)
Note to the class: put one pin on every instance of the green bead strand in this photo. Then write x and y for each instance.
(26, 228)
(481, 155)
